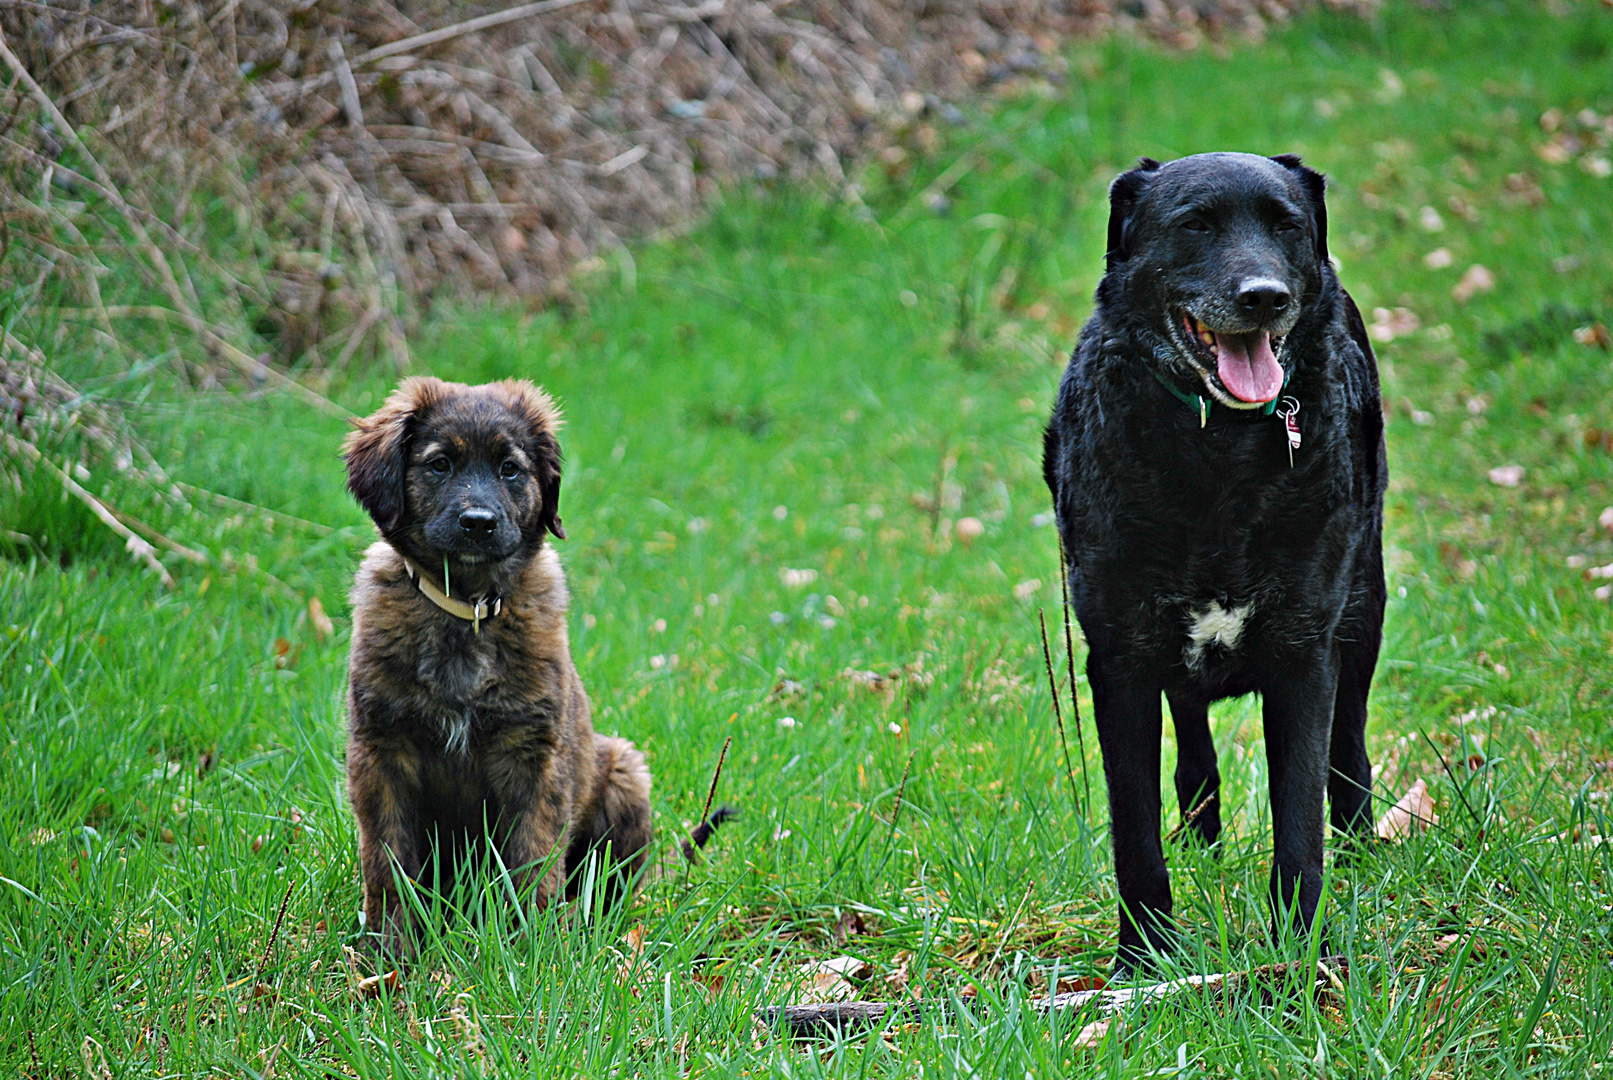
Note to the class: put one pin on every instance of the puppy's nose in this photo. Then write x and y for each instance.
(478, 521)
(1263, 297)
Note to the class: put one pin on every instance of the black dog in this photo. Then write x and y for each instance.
(1217, 465)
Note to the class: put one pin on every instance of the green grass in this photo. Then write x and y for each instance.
(830, 386)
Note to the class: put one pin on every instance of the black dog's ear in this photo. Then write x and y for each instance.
(1315, 185)
(1123, 196)
(377, 446)
(544, 446)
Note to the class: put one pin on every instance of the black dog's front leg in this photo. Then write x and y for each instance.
(1128, 719)
(1298, 714)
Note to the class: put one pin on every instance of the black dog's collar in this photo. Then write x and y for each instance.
(1200, 404)
(1289, 412)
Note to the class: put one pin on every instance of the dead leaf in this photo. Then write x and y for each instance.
(1596, 334)
(1388, 325)
(628, 969)
(898, 978)
(372, 986)
(323, 627)
(1506, 475)
(1447, 943)
(830, 980)
(850, 923)
(1416, 805)
(1523, 188)
(712, 983)
(353, 964)
(1090, 1036)
(1475, 280)
(1437, 1006)
(1558, 151)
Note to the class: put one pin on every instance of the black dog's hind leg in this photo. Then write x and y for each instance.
(1128, 720)
(1349, 784)
(1298, 714)
(1198, 779)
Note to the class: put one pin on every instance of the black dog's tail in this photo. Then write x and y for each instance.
(703, 831)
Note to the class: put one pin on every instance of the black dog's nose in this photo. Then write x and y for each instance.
(1263, 297)
(478, 521)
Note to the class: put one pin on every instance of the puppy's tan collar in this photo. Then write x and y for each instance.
(471, 613)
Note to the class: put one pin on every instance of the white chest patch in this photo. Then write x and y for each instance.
(1213, 625)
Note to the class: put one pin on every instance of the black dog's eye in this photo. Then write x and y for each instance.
(509, 470)
(1288, 225)
(439, 465)
(1196, 225)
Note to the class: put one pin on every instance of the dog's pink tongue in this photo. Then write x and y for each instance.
(1247, 366)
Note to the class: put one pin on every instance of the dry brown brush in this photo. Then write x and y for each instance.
(266, 189)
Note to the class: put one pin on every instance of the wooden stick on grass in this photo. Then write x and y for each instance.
(1058, 713)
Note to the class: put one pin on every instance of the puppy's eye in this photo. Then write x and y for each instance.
(439, 466)
(509, 470)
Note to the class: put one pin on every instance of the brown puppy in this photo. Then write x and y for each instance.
(468, 724)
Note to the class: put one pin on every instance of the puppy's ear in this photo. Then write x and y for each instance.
(1315, 185)
(377, 450)
(1123, 195)
(544, 446)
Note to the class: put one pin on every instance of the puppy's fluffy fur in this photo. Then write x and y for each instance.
(463, 734)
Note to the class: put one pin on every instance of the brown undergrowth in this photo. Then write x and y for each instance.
(259, 187)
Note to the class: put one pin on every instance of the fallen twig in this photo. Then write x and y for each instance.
(835, 1017)
(1328, 974)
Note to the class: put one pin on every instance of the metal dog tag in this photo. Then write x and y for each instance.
(1288, 409)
